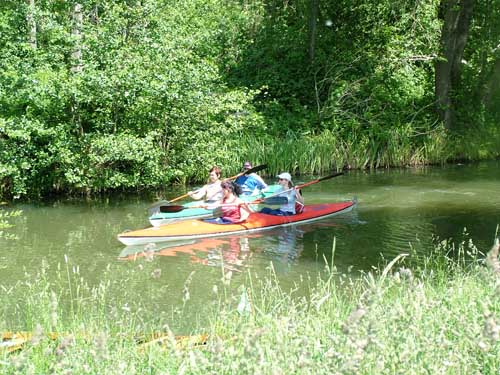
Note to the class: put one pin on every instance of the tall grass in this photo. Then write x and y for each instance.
(437, 316)
(397, 147)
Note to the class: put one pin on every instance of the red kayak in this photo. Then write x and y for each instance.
(191, 229)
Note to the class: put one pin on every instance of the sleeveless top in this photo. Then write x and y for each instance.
(232, 212)
(290, 205)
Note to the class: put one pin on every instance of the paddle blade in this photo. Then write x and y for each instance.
(330, 176)
(217, 212)
(256, 169)
(275, 200)
(155, 208)
(319, 180)
(171, 209)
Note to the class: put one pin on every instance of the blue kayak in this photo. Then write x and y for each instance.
(161, 218)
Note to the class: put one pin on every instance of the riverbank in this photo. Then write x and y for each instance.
(300, 154)
(440, 314)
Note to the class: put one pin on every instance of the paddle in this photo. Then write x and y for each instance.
(270, 201)
(154, 207)
(257, 168)
(298, 187)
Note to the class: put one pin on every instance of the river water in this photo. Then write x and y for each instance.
(398, 211)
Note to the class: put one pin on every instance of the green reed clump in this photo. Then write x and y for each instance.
(440, 315)
(398, 146)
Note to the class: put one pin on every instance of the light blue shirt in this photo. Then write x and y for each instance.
(250, 182)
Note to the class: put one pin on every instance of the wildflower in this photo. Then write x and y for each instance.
(53, 310)
(403, 274)
(149, 256)
(150, 246)
(65, 343)
(244, 306)
(156, 273)
(186, 295)
(353, 319)
(330, 353)
(492, 258)
(37, 335)
(100, 342)
(483, 346)
(226, 279)
(491, 328)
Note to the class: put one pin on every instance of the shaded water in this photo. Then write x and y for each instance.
(398, 211)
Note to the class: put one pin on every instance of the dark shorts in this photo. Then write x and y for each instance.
(218, 220)
(276, 212)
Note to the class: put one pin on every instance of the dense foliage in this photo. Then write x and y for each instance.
(136, 94)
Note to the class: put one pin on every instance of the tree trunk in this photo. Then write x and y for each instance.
(76, 64)
(313, 21)
(457, 15)
(30, 20)
(492, 87)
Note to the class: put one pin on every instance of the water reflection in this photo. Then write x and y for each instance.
(280, 246)
(228, 252)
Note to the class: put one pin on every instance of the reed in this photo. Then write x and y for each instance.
(399, 146)
(438, 314)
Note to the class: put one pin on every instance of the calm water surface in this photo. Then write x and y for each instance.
(398, 211)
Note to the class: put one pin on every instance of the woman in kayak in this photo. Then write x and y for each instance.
(250, 183)
(295, 202)
(211, 192)
(233, 210)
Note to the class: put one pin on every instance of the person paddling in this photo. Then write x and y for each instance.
(295, 202)
(233, 209)
(211, 192)
(252, 183)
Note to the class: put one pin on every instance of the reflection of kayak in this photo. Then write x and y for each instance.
(189, 229)
(161, 218)
(134, 251)
(172, 248)
(13, 341)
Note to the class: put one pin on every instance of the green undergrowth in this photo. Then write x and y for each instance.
(437, 315)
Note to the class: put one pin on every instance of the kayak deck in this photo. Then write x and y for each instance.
(191, 229)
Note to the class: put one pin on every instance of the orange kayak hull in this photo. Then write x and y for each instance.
(192, 229)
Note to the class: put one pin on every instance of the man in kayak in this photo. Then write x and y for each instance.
(211, 192)
(295, 202)
(251, 184)
(232, 209)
